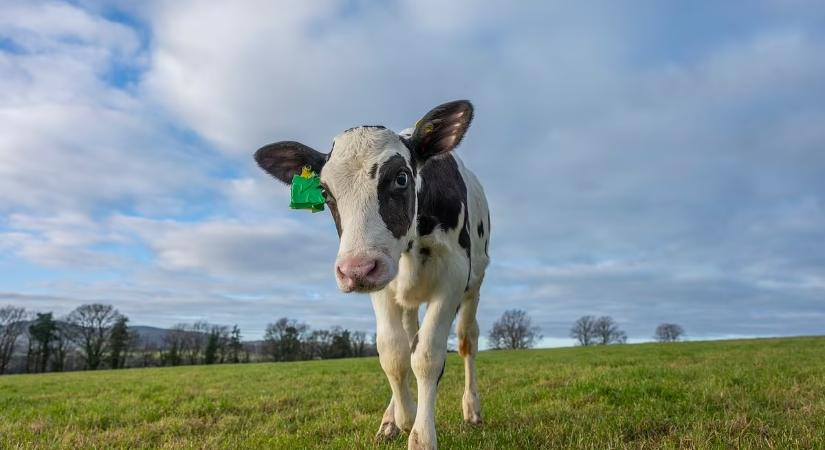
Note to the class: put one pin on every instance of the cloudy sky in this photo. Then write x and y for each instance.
(654, 161)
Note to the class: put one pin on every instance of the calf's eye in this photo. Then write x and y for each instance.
(401, 179)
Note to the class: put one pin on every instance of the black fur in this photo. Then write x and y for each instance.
(425, 254)
(480, 228)
(333, 208)
(396, 205)
(283, 160)
(414, 343)
(443, 366)
(442, 196)
(373, 171)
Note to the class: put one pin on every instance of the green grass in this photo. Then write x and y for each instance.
(767, 393)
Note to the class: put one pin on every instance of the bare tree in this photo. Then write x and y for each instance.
(359, 343)
(584, 330)
(668, 332)
(61, 346)
(91, 329)
(606, 331)
(174, 343)
(11, 327)
(514, 330)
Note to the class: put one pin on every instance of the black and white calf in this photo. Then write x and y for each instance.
(414, 229)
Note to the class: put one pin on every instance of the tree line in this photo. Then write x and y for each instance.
(97, 336)
(590, 330)
(514, 330)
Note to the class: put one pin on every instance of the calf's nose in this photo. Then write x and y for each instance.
(356, 271)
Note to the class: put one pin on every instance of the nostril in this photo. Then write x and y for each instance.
(339, 272)
(371, 268)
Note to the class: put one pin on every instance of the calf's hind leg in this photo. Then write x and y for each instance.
(467, 331)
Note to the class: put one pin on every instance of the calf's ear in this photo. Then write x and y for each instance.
(441, 129)
(285, 159)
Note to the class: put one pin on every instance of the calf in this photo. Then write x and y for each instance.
(414, 228)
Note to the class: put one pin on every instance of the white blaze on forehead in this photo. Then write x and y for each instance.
(355, 152)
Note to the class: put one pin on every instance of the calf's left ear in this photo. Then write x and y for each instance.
(441, 129)
(285, 159)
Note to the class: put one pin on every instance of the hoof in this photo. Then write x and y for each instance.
(474, 419)
(387, 432)
(415, 442)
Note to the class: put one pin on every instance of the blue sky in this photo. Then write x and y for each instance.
(654, 161)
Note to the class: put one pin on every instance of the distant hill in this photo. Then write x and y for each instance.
(150, 335)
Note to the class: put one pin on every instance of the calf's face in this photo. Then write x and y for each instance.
(369, 182)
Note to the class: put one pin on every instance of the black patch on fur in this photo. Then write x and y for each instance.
(480, 228)
(414, 343)
(283, 160)
(425, 254)
(396, 205)
(409, 246)
(333, 208)
(443, 366)
(442, 195)
(464, 241)
(373, 171)
(487, 241)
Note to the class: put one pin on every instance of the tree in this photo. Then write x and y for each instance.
(42, 332)
(235, 345)
(11, 327)
(216, 343)
(284, 339)
(173, 345)
(583, 330)
(91, 330)
(119, 342)
(668, 332)
(514, 330)
(359, 343)
(341, 343)
(606, 331)
(61, 346)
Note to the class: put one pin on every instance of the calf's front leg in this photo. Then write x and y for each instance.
(428, 358)
(393, 345)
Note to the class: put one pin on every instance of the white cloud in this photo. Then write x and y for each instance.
(630, 173)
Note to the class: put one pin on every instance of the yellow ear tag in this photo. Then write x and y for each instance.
(428, 128)
(306, 172)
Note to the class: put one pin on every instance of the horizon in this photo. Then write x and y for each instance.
(659, 162)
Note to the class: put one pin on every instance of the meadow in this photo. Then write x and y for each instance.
(764, 393)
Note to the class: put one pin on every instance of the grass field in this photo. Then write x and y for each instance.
(767, 393)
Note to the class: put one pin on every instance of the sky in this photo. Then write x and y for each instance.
(655, 161)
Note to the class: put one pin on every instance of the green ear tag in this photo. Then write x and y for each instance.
(305, 192)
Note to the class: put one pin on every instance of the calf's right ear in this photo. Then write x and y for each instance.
(283, 160)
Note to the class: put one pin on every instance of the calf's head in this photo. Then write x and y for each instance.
(369, 182)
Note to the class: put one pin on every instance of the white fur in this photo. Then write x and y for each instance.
(440, 283)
